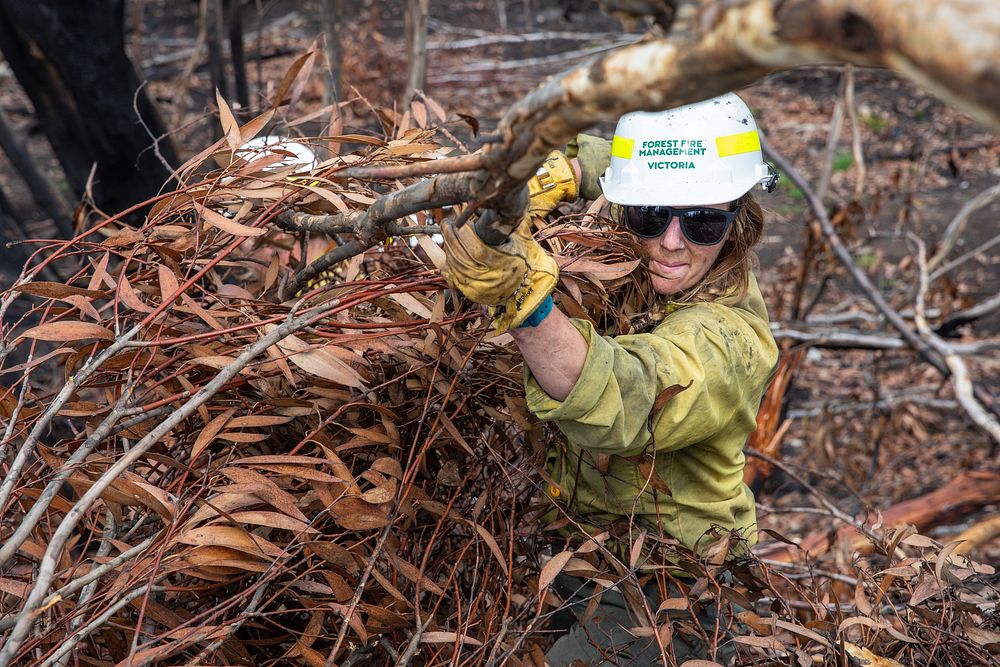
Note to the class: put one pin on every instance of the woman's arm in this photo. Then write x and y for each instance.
(555, 353)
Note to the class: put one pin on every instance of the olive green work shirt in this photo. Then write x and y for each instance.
(680, 469)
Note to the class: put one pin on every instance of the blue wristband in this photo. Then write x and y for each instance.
(543, 310)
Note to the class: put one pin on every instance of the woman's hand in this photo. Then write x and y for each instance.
(514, 276)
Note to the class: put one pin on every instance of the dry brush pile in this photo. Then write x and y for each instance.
(199, 472)
(210, 458)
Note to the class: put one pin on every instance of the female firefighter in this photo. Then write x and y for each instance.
(680, 181)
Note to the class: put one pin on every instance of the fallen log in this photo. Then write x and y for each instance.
(967, 492)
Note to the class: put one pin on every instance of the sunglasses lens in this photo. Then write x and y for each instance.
(705, 226)
(647, 221)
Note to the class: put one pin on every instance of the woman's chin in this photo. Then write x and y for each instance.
(667, 279)
(666, 286)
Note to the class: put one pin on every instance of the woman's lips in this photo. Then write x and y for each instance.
(669, 267)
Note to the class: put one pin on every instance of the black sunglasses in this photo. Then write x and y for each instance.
(700, 225)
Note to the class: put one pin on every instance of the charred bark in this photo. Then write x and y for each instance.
(42, 190)
(332, 21)
(416, 48)
(70, 59)
(234, 13)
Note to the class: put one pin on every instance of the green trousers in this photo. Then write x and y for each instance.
(605, 638)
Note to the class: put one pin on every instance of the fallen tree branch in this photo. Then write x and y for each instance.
(46, 571)
(929, 353)
(333, 224)
(887, 403)
(958, 261)
(428, 167)
(959, 372)
(79, 635)
(977, 535)
(957, 319)
(968, 490)
(955, 228)
(859, 340)
(733, 44)
(110, 533)
(94, 574)
(30, 520)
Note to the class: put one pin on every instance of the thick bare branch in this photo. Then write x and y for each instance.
(972, 314)
(959, 372)
(950, 50)
(931, 354)
(369, 227)
(860, 340)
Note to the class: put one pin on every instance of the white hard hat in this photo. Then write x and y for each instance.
(301, 155)
(696, 155)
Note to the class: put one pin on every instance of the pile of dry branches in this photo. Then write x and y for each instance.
(204, 473)
(219, 449)
(199, 460)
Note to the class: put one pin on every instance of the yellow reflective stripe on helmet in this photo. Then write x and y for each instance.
(734, 144)
(622, 147)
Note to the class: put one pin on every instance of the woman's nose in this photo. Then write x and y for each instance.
(673, 238)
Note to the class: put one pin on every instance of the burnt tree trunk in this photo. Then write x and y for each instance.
(332, 22)
(214, 27)
(416, 48)
(234, 14)
(70, 59)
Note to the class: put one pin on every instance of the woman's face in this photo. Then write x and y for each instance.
(675, 264)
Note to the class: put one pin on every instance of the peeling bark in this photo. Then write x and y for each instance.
(950, 48)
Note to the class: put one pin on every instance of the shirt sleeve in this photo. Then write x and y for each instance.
(593, 154)
(716, 359)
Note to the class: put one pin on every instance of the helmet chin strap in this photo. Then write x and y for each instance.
(772, 179)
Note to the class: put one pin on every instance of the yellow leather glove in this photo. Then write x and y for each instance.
(513, 277)
(553, 183)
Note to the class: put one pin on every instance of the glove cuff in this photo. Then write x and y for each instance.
(538, 315)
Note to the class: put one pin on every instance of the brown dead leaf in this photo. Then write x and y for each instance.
(411, 572)
(335, 555)
(220, 221)
(55, 290)
(123, 238)
(230, 128)
(68, 331)
(440, 637)
(224, 557)
(356, 514)
(231, 537)
(208, 434)
(130, 297)
(317, 360)
(272, 520)
(290, 76)
(549, 573)
(868, 659)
